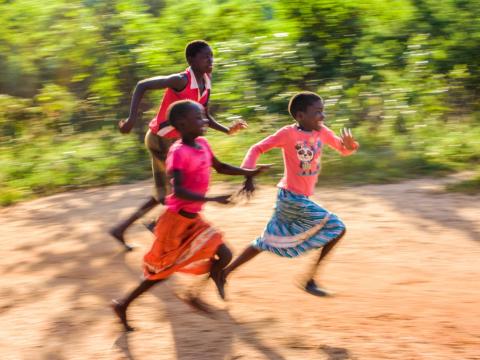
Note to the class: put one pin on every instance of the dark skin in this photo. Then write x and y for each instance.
(309, 120)
(201, 63)
(193, 125)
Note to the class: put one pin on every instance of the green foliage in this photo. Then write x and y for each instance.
(471, 186)
(405, 75)
(56, 106)
(46, 165)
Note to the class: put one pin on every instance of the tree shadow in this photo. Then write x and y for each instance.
(67, 256)
(424, 199)
(199, 335)
(123, 343)
(335, 353)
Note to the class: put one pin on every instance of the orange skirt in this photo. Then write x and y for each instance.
(181, 245)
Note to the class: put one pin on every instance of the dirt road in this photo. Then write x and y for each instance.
(406, 280)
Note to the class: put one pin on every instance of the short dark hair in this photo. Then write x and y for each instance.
(178, 110)
(194, 47)
(302, 100)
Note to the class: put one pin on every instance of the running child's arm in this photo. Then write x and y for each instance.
(227, 169)
(345, 144)
(236, 126)
(250, 160)
(183, 193)
(176, 82)
(273, 141)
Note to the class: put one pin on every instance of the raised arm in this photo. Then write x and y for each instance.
(344, 144)
(176, 82)
(270, 142)
(227, 169)
(236, 126)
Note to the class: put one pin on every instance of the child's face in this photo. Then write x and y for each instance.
(196, 123)
(203, 60)
(312, 118)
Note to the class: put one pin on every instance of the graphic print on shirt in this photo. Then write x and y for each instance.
(306, 153)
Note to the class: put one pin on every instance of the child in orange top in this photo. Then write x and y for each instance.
(184, 241)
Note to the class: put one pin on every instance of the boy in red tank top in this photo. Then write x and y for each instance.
(192, 84)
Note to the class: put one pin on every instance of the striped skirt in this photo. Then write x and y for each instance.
(298, 225)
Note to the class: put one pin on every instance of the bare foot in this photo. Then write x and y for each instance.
(219, 280)
(121, 312)
(118, 235)
(312, 288)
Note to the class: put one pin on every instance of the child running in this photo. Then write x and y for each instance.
(194, 84)
(298, 224)
(184, 242)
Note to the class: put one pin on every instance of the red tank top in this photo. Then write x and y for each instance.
(159, 125)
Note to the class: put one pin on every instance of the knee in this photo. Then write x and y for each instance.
(224, 254)
(154, 200)
(158, 198)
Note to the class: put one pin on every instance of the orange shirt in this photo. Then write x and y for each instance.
(159, 125)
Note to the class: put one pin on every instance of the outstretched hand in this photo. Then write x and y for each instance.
(237, 126)
(125, 126)
(222, 199)
(348, 139)
(248, 188)
(261, 168)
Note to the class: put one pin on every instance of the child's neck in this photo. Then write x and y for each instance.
(301, 127)
(189, 141)
(198, 76)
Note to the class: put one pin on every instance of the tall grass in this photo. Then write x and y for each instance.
(39, 166)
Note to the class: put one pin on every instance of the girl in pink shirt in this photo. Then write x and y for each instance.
(299, 224)
(184, 241)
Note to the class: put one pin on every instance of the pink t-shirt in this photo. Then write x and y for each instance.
(195, 165)
(301, 155)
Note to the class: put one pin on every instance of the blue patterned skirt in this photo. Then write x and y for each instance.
(298, 225)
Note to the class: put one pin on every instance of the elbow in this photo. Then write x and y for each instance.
(255, 150)
(141, 87)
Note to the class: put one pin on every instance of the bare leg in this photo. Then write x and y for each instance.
(325, 251)
(224, 256)
(118, 231)
(247, 254)
(311, 286)
(150, 225)
(120, 306)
